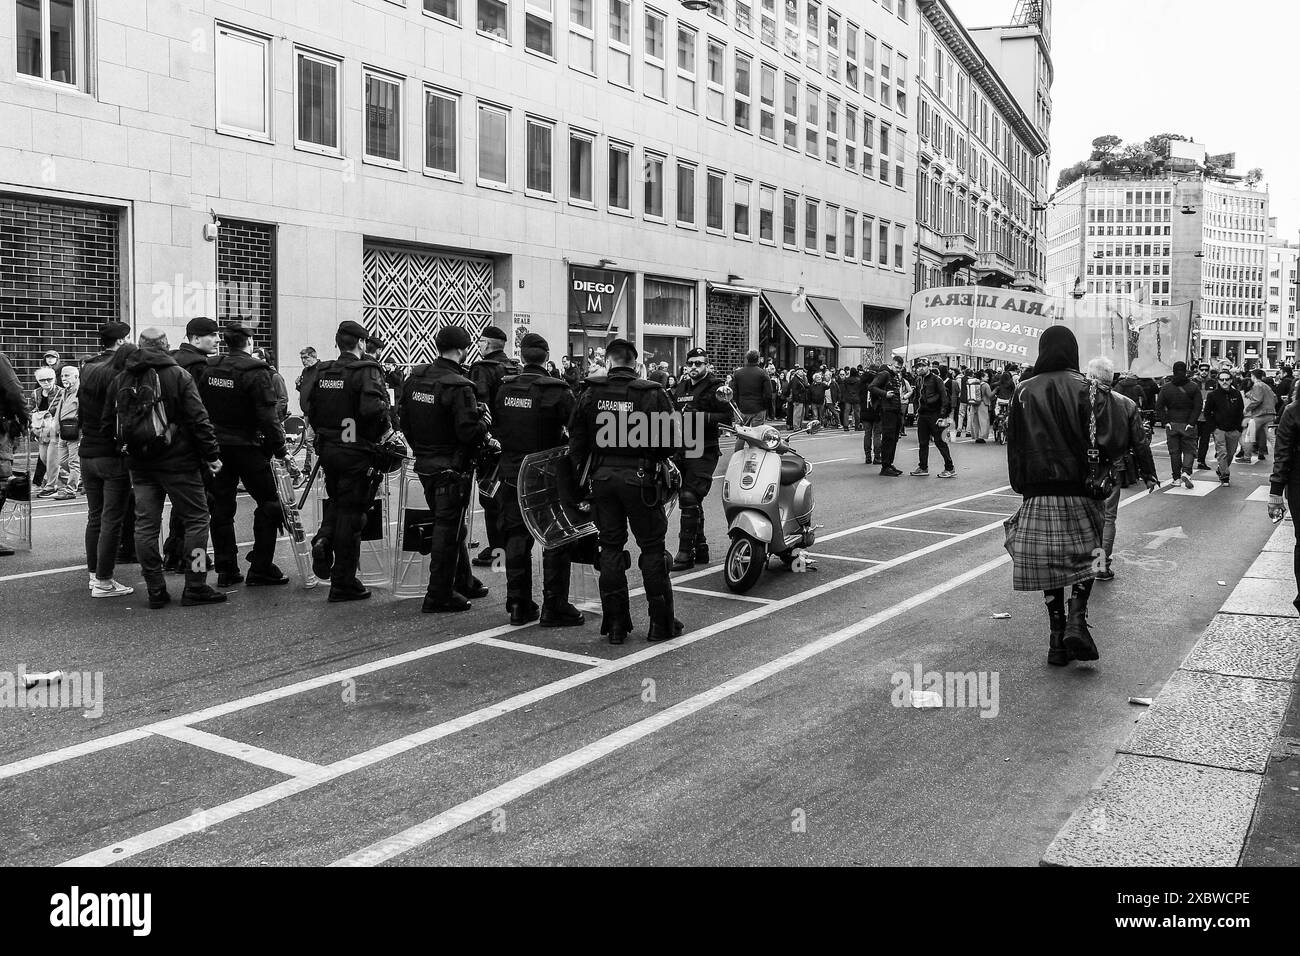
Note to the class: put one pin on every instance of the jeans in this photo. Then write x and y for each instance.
(891, 423)
(926, 432)
(850, 416)
(1182, 448)
(1108, 529)
(1225, 446)
(961, 420)
(796, 419)
(189, 499)
(1204, 432)
(70, 464)
(753, 420)
(872, 435)
(1260, 444)
(108, 492)
(50, 459)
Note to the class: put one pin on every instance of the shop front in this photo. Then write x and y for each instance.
(600, 309)
(852, 342)
(668, 324)
(789, 334)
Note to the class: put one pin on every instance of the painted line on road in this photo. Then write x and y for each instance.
(170, 832)
(723, 594)
(584, 659)
(280, 763)
(884, 522)
(82, 567)
(458, 816)
(972, 511)
(894, 527)
(840, 557)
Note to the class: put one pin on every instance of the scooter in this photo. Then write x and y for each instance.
(767, 499)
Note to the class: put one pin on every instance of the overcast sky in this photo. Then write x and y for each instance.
(1225, 74)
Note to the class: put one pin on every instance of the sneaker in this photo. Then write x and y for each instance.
(94, 579)
(889, 471)
(948, 473)
(1223, 480)
(45, 493)
(67, 494)
(110, 589)
(920, 472)
(1187, 483)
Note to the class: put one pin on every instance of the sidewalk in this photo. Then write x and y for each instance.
(1216, 750)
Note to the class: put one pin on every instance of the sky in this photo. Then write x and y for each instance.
(1224, 74)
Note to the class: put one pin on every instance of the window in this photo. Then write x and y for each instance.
(744, 67)
(925, 53)
(883, 154)
(869, 65)
(812, 123)
(717, 80)
(718, 10)
(833, 45)
(582, 36)
(493, 144)
(832, 130)
(686, 194)
(620, 164)
(850, 234)
(850, 138)
(938, 69)
(767, 102)
(868, 144)
(792, 29)
(445, 9)
(540, 147)
(744, 18)
(654, 186)
(620, 42)
(810, 209)
(318, 106)
(582, 151)
(832, 230)
(767, 215)
(886, 71)
(851, 56)
(539, 26)
(441, 132)
(790, 220)
(900, 234)
(868, 234)
(242, 83)
(653, 81)
(51, 38)
(767, 23)
(882, 245)
(813, 53)
(713, 201)
(494, 18)
(900, 85)
(383, 118)
(686, 68)
(791, 112)
(740, 207)
(899, 138)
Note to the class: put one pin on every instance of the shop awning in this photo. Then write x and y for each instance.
(841, 323)
(799, 323)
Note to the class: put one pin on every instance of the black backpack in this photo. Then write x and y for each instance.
(143, 430)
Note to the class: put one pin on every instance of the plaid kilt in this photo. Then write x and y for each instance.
(1053, 541)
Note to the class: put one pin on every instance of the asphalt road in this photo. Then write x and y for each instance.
(279, 729)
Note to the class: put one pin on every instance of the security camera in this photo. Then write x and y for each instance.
(210, 231)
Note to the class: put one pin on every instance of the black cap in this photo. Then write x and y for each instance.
(237, 328)
(114, 330)
(202, 326)
(622, 344)
(376, 343)
(492, 332)
(697, 353)
(534, 341)
(452, 337)
(355, 329)
(1180, 368)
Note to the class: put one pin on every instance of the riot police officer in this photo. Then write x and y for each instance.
(626, 486)
(487, 374)
(347, 405)
(446, 428)
(694, 395)
(241, 400)
(531, 412)
(201, 338)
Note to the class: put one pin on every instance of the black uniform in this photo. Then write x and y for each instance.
(531, 412)
(625, 491)
(173, 551)
(699, 398)
(347, 405)
(487, 374)
(441, 420)
(240, 395)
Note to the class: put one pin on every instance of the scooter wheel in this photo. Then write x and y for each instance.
(744, 565)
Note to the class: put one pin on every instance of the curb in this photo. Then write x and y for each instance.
(1183, 789)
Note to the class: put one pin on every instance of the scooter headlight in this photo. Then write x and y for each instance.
(770, 438)
(770, 495)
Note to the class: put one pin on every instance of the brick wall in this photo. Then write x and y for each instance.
(59, 279)
(246, 279)
(726, 330)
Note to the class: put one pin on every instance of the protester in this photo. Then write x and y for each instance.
(888, 391)
(1260, 410)
(1179, 405)
(1225, 410)
(753, 391)
(853, 400)
(931, 419)
(14, 423)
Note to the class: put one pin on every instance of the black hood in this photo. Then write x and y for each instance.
(147, 358)
(1058, 351)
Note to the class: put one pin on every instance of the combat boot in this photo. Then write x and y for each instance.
(661, 631)
(556, 613)
(197, 594)
(268, 576)
(1078, 638)
(452, 604)
(322, 558)
(684, 560)
(701, 552)
(228, 579)
(522, 612)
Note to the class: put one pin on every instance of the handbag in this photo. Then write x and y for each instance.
(1099, 482)
(69, 430)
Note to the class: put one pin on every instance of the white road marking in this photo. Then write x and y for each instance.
(280, 763)
(884, 522)
(723, 594)
(1259, 494)
(995, 494)
(894, 527)
(972, 511)
(1199, 489)
(841, 557)
(82, 567)
(521, 786)
(543, 652)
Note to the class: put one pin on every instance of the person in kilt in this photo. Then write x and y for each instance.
(1056, 535)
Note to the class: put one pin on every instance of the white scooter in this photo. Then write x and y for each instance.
(767, 498)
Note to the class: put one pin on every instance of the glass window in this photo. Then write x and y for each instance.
(883, 154)
(654, 186)
(812, 123)
(50, 37)
(620, 163)
(810, 208)
(900, 234)
(494, 18)
(493, 144)
(900, 85)
(882, 245)
(792, 29)
(383, 117)
(899, 166)
(620, 42)
(850, 234)
(850, 138)
(441, 132)
(886, 73)
(318, 102)
(686, 67)
(243, 90)
(832, 130)
(868, 144)
(744, 17)
(582, 150)
(744, 65)
(668, 303)
(792, 111)
(767, 25)
(767, 214)
(869, 65)
(832, 230)
(717, 80)
(813, 54)
(833, 45)
(540, 149)
(685, 194)
(790, 220)
(655, 64)
(443, 8)
(740, 208)
(582, 35)
(767, 102)
(714, 200)
(539, 26)
(868, 234)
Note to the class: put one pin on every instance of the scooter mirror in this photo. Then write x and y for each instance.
(724, 394)
(814, 428)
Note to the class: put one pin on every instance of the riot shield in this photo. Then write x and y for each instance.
(375, 567)
(414, 536)
(16, 513)
(299, 543)
(549, 499)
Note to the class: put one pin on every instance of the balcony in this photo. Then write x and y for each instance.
(995, 269)
(959, 251)
(1027, 281)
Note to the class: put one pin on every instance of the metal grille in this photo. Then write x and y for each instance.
(409, 296)
(875, 330)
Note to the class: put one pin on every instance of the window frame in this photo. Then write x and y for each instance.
(81, 61)
(812, 222)
(788, 118)
(650, 157)
(790, 220)
(867, 244)
(720, 177)
(438, 16)
(849, 241)
(738, 183)
(492, 36)
(318, 56)
(693, 75)
(625, 149)
(589, 138)
(490, 107)
(618, 46)
(531, 121)
(737, 97)
(649, 62)
(693, 222)
(776, 77)
(812, 126)
(455, 99)
(831, 231)
(766, 190)
(268, 100)
(545, 16)
(383, 76)
(587, 33)
(711, 89)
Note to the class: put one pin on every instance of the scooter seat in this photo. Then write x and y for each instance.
(792, 470)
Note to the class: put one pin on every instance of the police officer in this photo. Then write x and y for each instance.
(347, 405)
(201, 338)
(446, 427)
(487, 374)
(531, 412)
(241, 399)
(626, 487)
(694, 395)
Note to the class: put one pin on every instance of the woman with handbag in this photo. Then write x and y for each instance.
(43, 406)
(1063, 438)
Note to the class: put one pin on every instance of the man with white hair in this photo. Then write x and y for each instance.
(1123, 409)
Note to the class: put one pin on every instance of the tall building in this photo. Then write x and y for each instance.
(1167, 239)
(982, 152)
(1280, 296)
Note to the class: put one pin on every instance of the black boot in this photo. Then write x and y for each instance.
(664, 625)
(1057, 655)
(452, 604)
(353, 591)
(701, 552)
(474, 589)
(562, 614)
(266, 577)
(322, 559)
(522, 612)
(1078, 639)
(617, 633)
(228, 579)
(197, 594)
(684, 560)
(485, 558)
(159, 598)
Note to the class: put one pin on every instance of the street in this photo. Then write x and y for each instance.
(277, 729)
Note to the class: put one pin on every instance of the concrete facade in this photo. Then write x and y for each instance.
(1280, 295)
